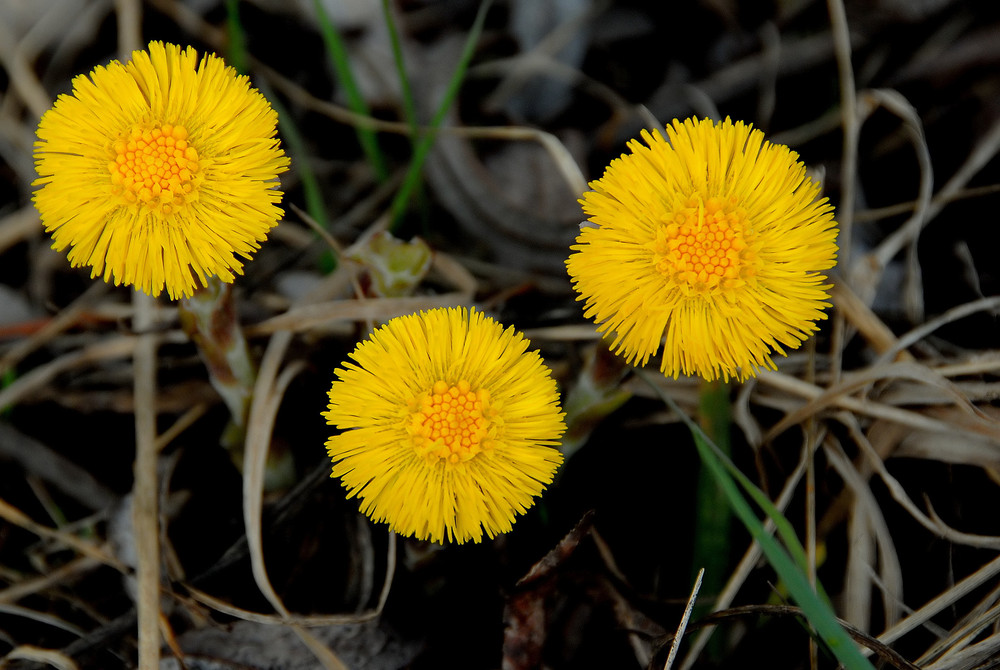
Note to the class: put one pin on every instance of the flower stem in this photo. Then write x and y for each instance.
(209, 319)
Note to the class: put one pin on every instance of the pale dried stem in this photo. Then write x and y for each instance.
(129, 27)
(985, 363)
(267, 395)
(770, 63)
(145, 503)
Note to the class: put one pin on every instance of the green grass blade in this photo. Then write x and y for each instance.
(236, 52)
(409, 106)
(239, 58)
(782, 526)
(338, 58)
(816, 610)
(297, 147)
(413, 172)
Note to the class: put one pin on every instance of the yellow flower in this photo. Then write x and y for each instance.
(712, 244)
(449, 425)
(158, 172)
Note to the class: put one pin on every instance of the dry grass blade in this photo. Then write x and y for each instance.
(941, 602)
(314, 317)
(183, 422)
(64, 573)
(983, 363)
(851, 124)
(908, 233)
(564, 161)
(868, 527)
(981, 654)
(899, 494)
(682, 626)
(27, 652)
(259, 423)
(876, 373)
(65, 319)
(109, 348)
(12, 515)
(41, 617)
(314, 620)
(984, 615)
(873, 329)
(39, 460)
(267, 395)
(991, 304)
(820, 398)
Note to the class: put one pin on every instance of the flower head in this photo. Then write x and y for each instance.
(157, 173)
(449, 425)
(712, 244)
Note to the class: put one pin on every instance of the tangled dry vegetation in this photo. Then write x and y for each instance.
(880, 439)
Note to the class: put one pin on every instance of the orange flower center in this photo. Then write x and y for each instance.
(706, 245)
(451, 422)
(156, 167)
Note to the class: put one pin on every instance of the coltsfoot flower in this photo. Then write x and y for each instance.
(711, 245)
(159, 172)
(450, 426)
